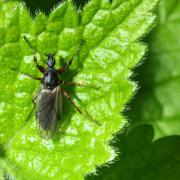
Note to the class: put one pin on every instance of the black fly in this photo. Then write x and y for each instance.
(48, 100)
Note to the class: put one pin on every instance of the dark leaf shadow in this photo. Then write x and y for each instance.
(47, 5)
(141, 158)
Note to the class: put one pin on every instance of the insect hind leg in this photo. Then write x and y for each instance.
(31, 113)
(34, 106)
(72, 102)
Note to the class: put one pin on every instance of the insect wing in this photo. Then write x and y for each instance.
(49, 107)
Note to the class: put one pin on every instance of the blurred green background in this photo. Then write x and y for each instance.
(150, 146)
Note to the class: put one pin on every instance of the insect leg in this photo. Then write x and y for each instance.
(73, 84)
(72, 102)
(34, 105)
(64, 68)
(78, 84)
(41, 68)
(70, 99)
(28, 75)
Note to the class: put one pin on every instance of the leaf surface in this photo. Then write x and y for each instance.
(110, 50)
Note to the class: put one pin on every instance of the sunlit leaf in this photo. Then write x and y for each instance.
(111, 49)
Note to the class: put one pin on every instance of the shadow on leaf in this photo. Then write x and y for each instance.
(141, 158)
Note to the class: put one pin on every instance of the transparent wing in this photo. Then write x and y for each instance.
(49, 108)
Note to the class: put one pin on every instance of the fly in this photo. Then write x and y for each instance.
(47, 102)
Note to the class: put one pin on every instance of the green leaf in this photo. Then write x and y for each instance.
(144, 159)
(111, 48)
(157, 102)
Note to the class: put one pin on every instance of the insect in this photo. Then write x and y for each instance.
(48, 99)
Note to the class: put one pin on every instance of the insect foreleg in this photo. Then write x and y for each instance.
(41, 68)
(28, 75)
(67, 65)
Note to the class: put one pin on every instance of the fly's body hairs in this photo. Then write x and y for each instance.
(48, 99)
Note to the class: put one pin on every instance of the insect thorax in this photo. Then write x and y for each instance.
(50, 79)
